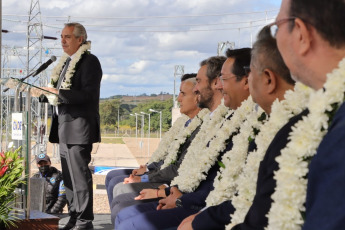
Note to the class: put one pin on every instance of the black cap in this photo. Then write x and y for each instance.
(42, 157)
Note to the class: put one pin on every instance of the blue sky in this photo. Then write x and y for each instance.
(139, 42)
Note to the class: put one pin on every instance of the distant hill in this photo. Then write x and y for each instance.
(140, 99)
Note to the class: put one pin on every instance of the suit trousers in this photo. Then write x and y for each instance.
(125, 200)
(121, 188)
(78, 181)
(146, 216)
(113, 178)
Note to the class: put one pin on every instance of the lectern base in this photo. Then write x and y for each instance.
(37, 221)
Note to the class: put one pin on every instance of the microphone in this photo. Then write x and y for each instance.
(45, 65)
(40, 69)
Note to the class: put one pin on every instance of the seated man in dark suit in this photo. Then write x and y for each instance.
(189, 109)
(269, 80)
(199, 168)
(311, 39)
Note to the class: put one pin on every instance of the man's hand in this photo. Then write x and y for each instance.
(150, 194)
(35, 92)
(186, 224)
(140, 171)
(132, 179)
(163, 186)
(170, 201)
(52, 90)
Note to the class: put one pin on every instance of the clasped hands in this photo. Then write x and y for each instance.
(168, 202)
(133, 178)
(141, 170)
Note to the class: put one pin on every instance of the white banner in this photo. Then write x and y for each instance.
(17, 126)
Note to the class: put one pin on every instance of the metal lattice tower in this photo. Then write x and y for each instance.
(34, 59)
(7, 98)
(179, 71)
(18, 62)
(223, 46)
(30, 57)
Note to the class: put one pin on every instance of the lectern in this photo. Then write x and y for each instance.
(21, 135)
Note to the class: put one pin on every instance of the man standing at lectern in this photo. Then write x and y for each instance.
(76, 123)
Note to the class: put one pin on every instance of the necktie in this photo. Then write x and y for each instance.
(62, 76)
(187, 123)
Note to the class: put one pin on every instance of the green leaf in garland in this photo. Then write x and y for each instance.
(221, 164)
(262, 117)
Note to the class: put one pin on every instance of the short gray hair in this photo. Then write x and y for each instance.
(79, 30)
(192, 80)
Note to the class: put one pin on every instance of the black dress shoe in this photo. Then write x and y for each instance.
(88, 226)
(70, 225)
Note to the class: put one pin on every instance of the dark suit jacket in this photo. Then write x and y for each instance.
(256, 216)
(216, 217)
(170, 172)
(155, 165)
(325, 205)
(78, 121)
(196, 200)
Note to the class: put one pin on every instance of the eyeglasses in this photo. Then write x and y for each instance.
(274, 26)
(222, 78)
(246, 70)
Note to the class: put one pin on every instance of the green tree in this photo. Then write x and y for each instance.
(108, 111)
(164, 106)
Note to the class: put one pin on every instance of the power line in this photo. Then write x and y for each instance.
(162, 26)
(174, 31)
(151, 17)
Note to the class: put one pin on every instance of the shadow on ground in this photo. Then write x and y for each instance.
(101, 221)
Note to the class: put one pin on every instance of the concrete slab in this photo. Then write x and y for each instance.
(114, 155)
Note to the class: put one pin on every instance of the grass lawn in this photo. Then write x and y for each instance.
(112, 140)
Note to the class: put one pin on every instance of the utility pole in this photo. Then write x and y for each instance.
(179, 71)
(223, 46)
(160, 121)
(148, 142)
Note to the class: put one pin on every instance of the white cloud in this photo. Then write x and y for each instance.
(143, 62)
(138, 67)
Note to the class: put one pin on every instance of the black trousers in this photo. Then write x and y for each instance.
(78, 181)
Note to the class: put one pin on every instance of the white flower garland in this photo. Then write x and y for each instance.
(195, 166)
(181, 137)
(281, 112)
(233, 160)
(290, 195)
(167, 139)
(67, 81)
(207, 129)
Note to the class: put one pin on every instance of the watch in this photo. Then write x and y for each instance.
(178, 203)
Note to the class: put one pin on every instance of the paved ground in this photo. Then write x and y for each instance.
(101, 221)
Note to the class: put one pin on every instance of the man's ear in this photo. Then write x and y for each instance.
(80, 40)
(270, 80)
(303, 36)
(215, 82)
(245, 83)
